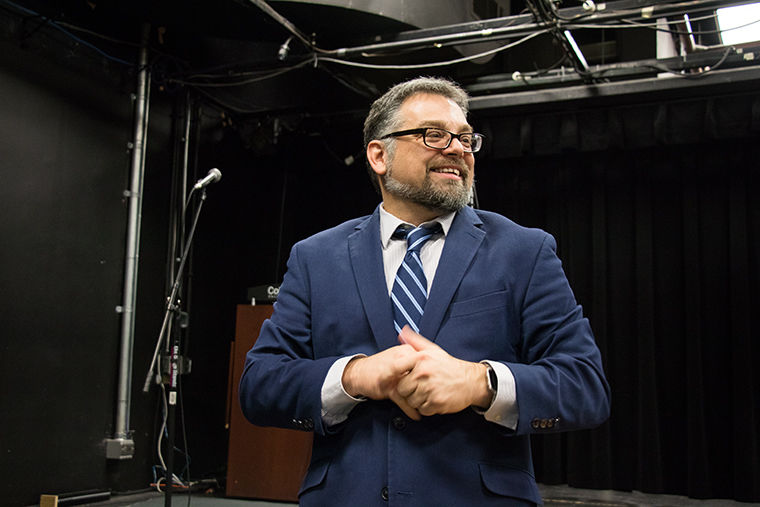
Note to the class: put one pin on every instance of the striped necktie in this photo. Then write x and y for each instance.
(409, 292)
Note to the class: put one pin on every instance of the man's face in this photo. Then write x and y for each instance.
(436, 179)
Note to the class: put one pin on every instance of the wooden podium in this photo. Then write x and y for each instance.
(263, 463)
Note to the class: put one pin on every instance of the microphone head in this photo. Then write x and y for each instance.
(216, 173)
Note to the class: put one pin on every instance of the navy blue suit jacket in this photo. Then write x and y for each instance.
(499, 293)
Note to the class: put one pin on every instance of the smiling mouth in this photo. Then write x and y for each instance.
(447, 170)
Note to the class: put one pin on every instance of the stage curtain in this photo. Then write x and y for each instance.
(656, 209)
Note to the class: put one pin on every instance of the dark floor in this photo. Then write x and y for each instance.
(554, 496)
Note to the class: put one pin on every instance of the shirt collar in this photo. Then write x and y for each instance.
(389, 223)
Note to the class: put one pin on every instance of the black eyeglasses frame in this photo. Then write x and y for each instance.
(452, 135)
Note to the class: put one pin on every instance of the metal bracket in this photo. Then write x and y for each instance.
(120, 448)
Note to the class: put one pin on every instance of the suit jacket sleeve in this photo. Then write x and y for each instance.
(281, 382)
(559, 381)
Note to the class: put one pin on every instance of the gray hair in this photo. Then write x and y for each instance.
(383, 116)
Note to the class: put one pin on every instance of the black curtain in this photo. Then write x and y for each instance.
(655, 209)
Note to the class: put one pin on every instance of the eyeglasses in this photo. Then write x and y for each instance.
(440, 139)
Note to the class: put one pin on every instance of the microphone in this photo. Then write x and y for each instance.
(212, 176)
(282, 53)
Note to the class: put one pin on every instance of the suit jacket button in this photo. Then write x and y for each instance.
(544, 422)
(399, 423)
(535, 424)
(308, 425)
(384, 493)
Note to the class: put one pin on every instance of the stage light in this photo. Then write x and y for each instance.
(740, 23)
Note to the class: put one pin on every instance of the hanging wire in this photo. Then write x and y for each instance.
(60, 27)
(433, 64)
(544, 11)
(251, 80)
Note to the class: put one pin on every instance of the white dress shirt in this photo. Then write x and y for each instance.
(337, 403)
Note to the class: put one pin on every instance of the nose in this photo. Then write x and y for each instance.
(455, 147)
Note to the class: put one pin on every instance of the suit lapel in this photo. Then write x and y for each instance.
(366, 256)
(462, 241)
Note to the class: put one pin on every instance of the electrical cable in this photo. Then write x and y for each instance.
(656, 25)
(560, 32)
(317, 58)
(526, 76)
(226, 105)
(687, 32)
(433, 64)
(53, 23)
(544, 11)
(438, 41)
(701, 73)
(98, 35)
(243, 82)
(368, 93)
(290, 27)
(161, 432)
(186, 470)
(112, 39)
(590, 11)
(208, 72)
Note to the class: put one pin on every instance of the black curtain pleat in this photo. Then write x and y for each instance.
(656, 210)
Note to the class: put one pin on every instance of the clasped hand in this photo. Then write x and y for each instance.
(418, 376)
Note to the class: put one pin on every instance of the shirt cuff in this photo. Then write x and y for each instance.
(336, 402)
(503, 410)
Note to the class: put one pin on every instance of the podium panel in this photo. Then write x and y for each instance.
(262, 463)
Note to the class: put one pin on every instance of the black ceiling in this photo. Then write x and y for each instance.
(227, 50)
(223, 38)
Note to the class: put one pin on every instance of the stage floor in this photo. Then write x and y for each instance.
(554, 496)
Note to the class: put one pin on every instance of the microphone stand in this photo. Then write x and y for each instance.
(172, 307)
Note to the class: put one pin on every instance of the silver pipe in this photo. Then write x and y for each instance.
(141, 108)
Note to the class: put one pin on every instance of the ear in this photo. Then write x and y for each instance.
(376, 155)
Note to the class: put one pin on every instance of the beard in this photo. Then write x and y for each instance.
(446, 196)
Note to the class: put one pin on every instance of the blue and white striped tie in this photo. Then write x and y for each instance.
(409, 292)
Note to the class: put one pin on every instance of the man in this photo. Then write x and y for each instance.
(422, 370)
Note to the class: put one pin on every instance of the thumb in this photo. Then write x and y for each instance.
(415, 340)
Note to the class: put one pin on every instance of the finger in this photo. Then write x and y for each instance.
(404, 364)
(406, 387)
(426, 409)
(415, 340)
(405, 407)
(403, 361)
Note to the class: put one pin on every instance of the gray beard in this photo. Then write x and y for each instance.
(453, 197)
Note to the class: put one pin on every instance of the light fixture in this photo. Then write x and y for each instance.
(739, 24)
